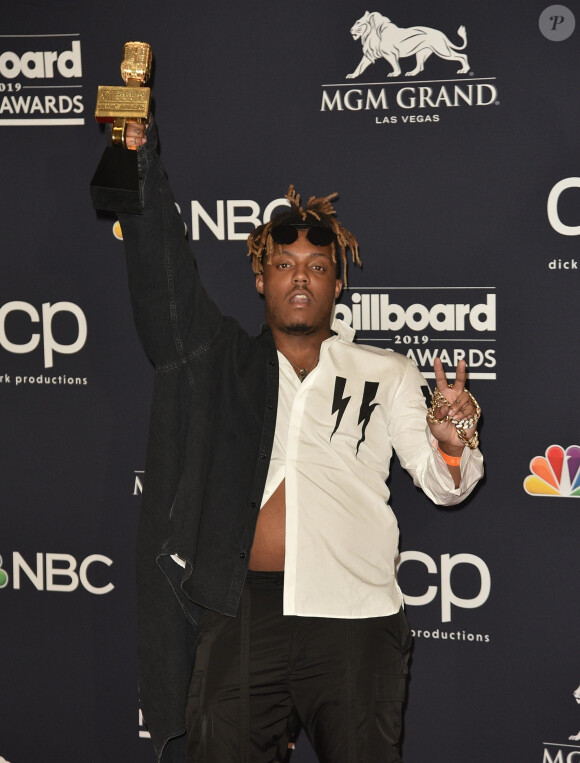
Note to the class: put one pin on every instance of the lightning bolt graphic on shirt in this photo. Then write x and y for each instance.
(340, 403)
(366, 409)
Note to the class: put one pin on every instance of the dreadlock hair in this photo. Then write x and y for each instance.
(322, 214)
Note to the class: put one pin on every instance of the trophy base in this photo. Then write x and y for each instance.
(115, 184)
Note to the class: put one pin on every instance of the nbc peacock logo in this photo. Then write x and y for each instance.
(3, 583)
(557, 474)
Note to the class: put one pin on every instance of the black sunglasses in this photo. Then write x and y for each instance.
(288, 234)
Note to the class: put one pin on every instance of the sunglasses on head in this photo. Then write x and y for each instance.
(288, 234)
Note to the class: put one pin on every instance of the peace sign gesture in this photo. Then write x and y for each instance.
(454, 412)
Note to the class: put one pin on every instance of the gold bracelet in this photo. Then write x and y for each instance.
(471, 442)
(461, 425)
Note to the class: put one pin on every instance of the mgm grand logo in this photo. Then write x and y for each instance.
(383, 42)
(564, 752)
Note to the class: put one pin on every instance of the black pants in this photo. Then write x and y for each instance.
(260, 674)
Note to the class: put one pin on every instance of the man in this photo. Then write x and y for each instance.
(266, 584)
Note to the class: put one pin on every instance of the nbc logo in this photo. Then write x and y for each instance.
(3, 584)
(118, 234)
(556, 474)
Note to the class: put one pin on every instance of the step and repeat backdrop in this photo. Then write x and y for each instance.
(451, 132)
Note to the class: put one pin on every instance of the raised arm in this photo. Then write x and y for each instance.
(417, 448)
(173, 314)
(453, 417)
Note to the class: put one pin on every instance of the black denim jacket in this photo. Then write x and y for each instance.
(210, 438)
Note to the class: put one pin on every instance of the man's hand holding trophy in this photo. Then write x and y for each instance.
(115, 184)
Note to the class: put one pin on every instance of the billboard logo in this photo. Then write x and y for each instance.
(380, 38)
(38, 79)
(42, 64)
(557, 474)
(380, 312)
(449, 323)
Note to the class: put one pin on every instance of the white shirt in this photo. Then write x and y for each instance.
(335, 435)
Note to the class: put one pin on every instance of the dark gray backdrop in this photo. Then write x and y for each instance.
(450, 206)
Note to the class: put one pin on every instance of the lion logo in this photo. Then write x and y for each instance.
(381, 38)
(576, 737)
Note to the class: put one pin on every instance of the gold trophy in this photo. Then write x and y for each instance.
(115, 184)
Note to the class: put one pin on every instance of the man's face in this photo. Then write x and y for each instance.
(300, 287)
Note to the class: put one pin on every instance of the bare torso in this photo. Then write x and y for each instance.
(268, 549)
